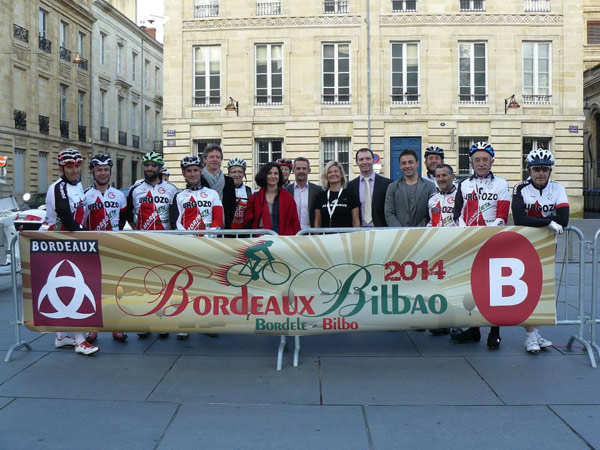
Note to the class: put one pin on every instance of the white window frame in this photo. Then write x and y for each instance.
(81, 44)
(405, 6)
(42, 23)
(206, 8)
(64, 34)
(269, 75)
(337, 143)
(471, 6)
(537, 6)
(339, 6)
(473, 98)
(336, 73)
(271, 157)
(406, 98)
(535, 97)
(268, 7)
(207, 87)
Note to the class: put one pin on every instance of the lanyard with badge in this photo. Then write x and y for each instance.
(332, 205)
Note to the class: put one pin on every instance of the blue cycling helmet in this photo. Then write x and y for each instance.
(478, 146)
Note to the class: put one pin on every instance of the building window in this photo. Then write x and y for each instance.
(337, 149)
(207, 75)
(206, 8)
(134, 107)
(145, 74)
(133, 65)
(404, 5)
(102, 108)
(472, 72)
(464, 145)
(19, 174)
(537, 6)
(405, 72)
(81, 44)
(335, 6)
(472, 5)
(268, 8)
(157, 79)
(267, 150)
(63, 34)
(120, 103)
(63, 102)
(537, 76)
(42, 23)
(336, 74)
(119, 173)
(269, 76)
(43, 172)
(157, 134)
(593, 32)
(80, 108)
(146, 114)
(532, 143)
(119, 58)
(200, 144)
(102, 49)
(134, 171)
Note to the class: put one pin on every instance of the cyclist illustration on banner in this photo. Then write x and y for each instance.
(259, 262)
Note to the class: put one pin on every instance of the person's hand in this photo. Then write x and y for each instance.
(556, 227)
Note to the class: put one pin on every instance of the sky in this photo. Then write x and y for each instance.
(152, 10)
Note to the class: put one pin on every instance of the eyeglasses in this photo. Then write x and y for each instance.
(150, 164)
(544, 169)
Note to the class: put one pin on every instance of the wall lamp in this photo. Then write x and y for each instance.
(510, 103)
(233, 105)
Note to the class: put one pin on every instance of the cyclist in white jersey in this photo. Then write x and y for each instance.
(236, 169)
(481, 200)
(434, 157)
(539, 202)
(441, 203)
(149, 200)
(65, 211)
(105, 210)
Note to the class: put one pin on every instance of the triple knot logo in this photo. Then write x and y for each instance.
(66, 283)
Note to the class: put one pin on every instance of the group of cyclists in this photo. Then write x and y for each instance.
(213, 200)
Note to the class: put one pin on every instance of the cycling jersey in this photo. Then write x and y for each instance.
(441, 208)
(65, 206)
(242, 196)
(538, 207)
(104, 212)
(196, 209)
(482, 201)
(148, 206)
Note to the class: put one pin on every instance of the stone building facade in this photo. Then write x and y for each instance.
(324, 78)
(127, 88)
(45, 95)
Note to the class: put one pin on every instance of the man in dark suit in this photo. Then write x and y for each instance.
(371, 206)
(305, 193)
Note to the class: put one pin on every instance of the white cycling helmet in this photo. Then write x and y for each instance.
(540, 157)
(236, 162)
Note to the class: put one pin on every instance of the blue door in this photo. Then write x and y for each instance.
(397, 146)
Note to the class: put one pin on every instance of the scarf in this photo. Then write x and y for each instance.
(215, 182)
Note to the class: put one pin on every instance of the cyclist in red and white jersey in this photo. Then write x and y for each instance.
(196, 207)
(149, 199)
(539, 202)
(441, 204)
(481, 200)
(236, 169)
(105, 210)
(65, 211)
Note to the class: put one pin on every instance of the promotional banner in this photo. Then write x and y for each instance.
(362, 281)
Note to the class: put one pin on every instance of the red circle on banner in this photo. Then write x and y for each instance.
(506, 279)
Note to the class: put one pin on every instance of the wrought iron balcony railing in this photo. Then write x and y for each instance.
(268, 8)
(20, 33)
(83, 64)
(206, 10)
(336, 99)
(20, 120)
(472, 5)
(45, 45)
(82, 133)
(261, 100)
(65, 54)
(104, 134)
(404, 5)
(472, 99)
(64, 129)
(406, 99)
(158, 146)
(44, 122)
(537, 6)
(207, 101)
(537, 99)
(335, 6)
(122, 138)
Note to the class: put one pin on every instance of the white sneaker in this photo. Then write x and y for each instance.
(85, 348)
(532, 345)
(543, 343)
(66, 341)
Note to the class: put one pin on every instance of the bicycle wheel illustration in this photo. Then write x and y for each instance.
(239, 275)
(276, 273)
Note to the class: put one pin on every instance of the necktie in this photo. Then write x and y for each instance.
(367, 214)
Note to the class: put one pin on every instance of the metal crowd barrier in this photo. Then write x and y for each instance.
(586, 323)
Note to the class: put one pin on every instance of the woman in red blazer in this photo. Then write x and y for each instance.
(272, 207)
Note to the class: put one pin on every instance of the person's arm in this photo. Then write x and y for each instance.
(293, 216)
(63, 208)
(217, 217)
(503, 206)
(174, 213)
(458, 206)
(317, 218)
(390, 207)
(129, 213)
(355, 217)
